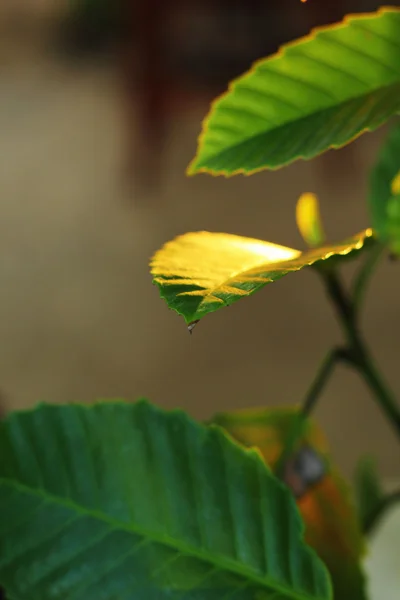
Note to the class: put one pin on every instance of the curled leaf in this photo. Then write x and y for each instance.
(199, 273)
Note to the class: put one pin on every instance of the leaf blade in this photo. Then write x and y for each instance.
(176, 535)
(199, 273)
(368, 488)
(323, 497)
(381, 179)
(307, 98)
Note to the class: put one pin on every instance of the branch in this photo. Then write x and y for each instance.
(362, 279)
(360, 356)
(324, 372)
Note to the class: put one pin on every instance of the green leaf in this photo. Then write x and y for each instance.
(384, 194)
(128, 502)
(317, 93)
(381, 180)
(393, 224)
(369, 492)
(323, 497)
(373, 502)
(198, 273)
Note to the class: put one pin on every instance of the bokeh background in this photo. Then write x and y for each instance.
(100, 107)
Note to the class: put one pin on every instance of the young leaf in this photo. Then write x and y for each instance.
(317, 93)
(395, 187)
(332, 525)
(198, 273)
(382, 178)
(130, 502)
(309, 221)
(368, 489)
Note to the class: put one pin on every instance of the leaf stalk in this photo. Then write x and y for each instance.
(359, 353)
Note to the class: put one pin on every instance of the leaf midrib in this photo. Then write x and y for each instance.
(221, 563)
(288, 123)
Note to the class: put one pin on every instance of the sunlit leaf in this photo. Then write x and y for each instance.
(198, 273)
(317, 93)
(126, 501)
(368, 488)
(308, 220)
(332, 525)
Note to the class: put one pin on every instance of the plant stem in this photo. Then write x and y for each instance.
(364, 275)
(359, 354)
(324, 372)
(354, 353)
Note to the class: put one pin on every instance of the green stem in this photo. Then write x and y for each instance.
(359, 353)
(324, 372)
(364, 275)
(355, 353)
(373, 378)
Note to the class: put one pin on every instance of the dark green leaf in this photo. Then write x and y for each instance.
(393, 224)
(368, 488)
(128, 502)
(323, 497)
(384, 193)
(317, 93)
(381, 179)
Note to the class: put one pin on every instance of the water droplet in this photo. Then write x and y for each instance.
(192, 325)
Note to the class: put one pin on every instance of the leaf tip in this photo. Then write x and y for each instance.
(191, 169)
(192, 325)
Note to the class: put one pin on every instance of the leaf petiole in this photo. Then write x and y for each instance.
(364, 275)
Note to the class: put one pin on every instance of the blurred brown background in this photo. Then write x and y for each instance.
(99, 114)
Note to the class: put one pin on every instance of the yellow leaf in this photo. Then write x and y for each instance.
(396, 185)
(309, 220)
(199, 273)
